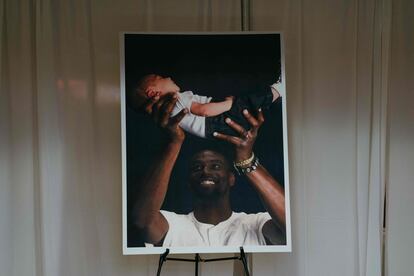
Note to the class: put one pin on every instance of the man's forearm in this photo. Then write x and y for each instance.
(271, 193)
(153, 187)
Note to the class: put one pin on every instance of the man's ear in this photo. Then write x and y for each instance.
(232, 179)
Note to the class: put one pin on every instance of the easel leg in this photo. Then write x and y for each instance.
(244, 261)
(163, 258)
(196, 261)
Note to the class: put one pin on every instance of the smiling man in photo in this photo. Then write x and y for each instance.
(212, 221)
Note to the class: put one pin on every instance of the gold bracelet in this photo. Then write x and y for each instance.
(245, 162)
(249, 168)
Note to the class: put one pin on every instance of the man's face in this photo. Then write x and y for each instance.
(210, 174)
(162, 85)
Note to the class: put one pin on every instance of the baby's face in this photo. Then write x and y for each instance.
(162, 85)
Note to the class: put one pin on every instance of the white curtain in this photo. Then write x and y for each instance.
(400, 174)
(60, 197)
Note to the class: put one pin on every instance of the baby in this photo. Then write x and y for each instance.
(205, 116)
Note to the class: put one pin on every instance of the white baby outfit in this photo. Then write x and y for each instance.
(196, 124)
(191, 123)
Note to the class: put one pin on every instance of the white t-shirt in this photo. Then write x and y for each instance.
(238, 230)
(191, 123)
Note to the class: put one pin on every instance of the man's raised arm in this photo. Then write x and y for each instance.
(269, 190)
(153, 186)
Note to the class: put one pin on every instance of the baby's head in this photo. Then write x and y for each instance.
(151, 86)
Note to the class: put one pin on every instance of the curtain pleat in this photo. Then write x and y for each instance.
(400, 173)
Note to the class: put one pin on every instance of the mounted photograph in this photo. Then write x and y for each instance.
(204, 143)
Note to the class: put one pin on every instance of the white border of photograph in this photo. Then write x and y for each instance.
(222, 249)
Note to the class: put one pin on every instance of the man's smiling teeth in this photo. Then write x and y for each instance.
(208, 182)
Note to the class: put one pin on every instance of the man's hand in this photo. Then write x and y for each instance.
(245, 141)
(159, 109)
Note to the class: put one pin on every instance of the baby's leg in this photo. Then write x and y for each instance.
(276, 95)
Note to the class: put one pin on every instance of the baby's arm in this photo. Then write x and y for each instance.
(211, 109)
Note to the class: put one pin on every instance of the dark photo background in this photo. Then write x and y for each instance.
(210, 65)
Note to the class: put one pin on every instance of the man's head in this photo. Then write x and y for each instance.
(210, 175)
(151, 86)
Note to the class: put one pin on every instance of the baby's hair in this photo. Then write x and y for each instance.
(137, 95)
(145, 82)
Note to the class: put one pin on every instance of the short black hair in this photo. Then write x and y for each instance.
(223, 148)
(135, 91)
